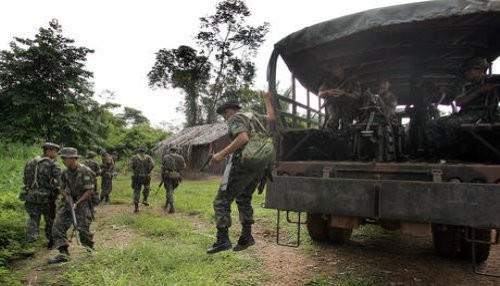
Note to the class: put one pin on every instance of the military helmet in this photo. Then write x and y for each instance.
(50, 145)
(228, 104)
(90, 154)
(142, 149)
(173, 148)
(69, 152)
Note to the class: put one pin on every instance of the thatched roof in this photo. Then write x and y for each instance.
(193, 136)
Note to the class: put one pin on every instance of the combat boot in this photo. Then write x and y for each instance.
(171, 210)
(222, 243)
(63, 256)
(136, 208)
(246, 239)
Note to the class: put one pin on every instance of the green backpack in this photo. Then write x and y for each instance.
(259, 152)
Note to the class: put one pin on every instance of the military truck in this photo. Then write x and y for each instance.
(376, 170)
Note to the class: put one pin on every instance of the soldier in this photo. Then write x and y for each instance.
(238, 183)
(41, 186)
(94, 166)
(107, 170)
(77, 182)
(142, 165)
(478, 104)
(341, 96)
(172, 165)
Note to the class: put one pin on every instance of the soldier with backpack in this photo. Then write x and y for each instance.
(41, 186)
(239, 180)
(141, 165)
(172, 165)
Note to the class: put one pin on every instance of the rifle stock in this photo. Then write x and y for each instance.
(73, 215)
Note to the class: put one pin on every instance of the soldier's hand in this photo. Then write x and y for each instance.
(217, 157)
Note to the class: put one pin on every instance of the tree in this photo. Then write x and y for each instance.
(45, 93)
(231, 43)
(182, 68)
(222, 66)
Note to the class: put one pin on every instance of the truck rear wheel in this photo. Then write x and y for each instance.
(481, 250)
(339, 235)
(317, 227)
(446, 239)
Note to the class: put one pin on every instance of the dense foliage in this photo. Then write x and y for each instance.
(46, 95)
(220, 69)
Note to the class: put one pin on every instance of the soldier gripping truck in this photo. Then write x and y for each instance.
(380, 165)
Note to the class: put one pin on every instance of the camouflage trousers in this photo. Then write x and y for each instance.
(106, 187)
(170, 186)
(138, 183)
(64, 221)
(241, 185)
(35, 212)
(446, 132)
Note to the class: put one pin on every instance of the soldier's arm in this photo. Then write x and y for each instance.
(85, 197)
(238, 142)
(271, 116)
(467, 97)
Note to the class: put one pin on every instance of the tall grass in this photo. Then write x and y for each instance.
(12, 215)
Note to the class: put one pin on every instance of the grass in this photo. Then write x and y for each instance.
(149, 248)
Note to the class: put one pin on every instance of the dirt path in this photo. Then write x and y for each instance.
(394, 260)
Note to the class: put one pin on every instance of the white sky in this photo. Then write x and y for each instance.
(126, 35)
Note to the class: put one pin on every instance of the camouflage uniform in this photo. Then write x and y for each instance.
(41, 182)
(446, 131)
(172, 165)
(107, 170)
(94, 166)
(74, 183)
(341, 110)
(142, 165)
(238, 183)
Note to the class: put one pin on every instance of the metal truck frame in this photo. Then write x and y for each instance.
(322, 174)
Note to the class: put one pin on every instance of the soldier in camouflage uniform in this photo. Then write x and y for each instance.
(238, 183)
(141, 165)
(478, 104)
(94, 166)
(172, 165)
(41, 186)
(77, 181)
(107, 171)
(341, 96)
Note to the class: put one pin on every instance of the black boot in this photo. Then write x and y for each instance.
(222, 243)
(63, 256)
(171, 210)
(50, 244)
(246, 239)
(136, 208)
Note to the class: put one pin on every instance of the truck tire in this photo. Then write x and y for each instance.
(481, 250)
(317, 227)
(337, 235)
(446, 240)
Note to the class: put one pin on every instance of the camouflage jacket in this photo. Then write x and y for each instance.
(41, 180)
(93, 165)
(173, 162)
(77, 182)
(107, 166)
(141, 165)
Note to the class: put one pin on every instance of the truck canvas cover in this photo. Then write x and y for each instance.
(429, 40)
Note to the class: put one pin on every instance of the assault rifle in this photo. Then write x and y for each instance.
(76, 232)
(159, 186)
(263, 180)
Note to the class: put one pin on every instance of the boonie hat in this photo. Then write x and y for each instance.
(69, 152)
(50, 145)
(91, 154)
(226, 105)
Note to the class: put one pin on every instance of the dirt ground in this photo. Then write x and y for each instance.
(392, 260)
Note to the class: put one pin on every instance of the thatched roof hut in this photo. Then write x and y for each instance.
(195, 144)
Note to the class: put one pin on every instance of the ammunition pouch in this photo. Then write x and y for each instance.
(174, 175)
(38, 196)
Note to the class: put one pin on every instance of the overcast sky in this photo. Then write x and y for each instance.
(126, 35)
